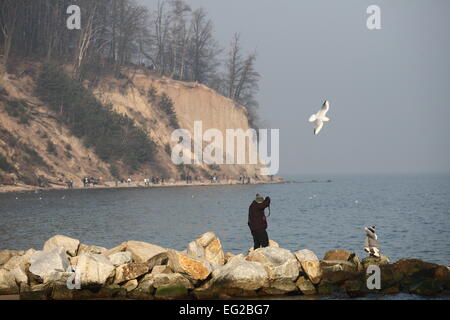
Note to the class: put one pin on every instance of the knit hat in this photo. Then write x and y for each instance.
(259, 198)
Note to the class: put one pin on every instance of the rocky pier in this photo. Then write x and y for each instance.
(66, 269)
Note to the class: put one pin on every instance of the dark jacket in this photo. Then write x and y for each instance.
(256, 217)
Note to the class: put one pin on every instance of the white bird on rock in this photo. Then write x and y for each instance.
(320, 117)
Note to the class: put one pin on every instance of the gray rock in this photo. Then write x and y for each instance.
(5, 255)
(271, 255)
(142, 252)
(240, 274)
(120, 258)
(19, 275)
(21, 261)
(94, 269)
(43, 263)
(279, 263)
(306, 254)
(71, 245)
(207, 247)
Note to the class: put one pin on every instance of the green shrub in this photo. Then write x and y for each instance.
(168, 149)
(166, 105)
(5, 165)
(214, 167)
(17, 109)
(51, 148)
(114, 171)
(152, 93)
(33, 158)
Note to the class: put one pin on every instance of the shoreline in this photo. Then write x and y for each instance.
(136, 270)
(4, 189)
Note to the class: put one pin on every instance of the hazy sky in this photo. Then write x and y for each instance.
(389, 89)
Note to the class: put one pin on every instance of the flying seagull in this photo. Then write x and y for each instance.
(320, 117)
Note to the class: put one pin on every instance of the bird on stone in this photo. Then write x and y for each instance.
(320, 117)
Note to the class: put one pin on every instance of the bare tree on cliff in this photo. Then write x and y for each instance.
(9, 12)
(241, 78)
(203, 49)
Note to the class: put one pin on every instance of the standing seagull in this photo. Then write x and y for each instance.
(320, 117)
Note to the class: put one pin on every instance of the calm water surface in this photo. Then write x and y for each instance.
(412, 215)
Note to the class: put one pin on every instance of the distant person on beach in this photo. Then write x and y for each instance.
(257, 221)
(371, 245)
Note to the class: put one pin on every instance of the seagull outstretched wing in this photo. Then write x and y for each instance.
(320, 117)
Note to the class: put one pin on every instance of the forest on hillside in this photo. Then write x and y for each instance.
(172, 39)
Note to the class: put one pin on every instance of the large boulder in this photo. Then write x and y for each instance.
(307, 255)
(71, 245)
(338, 255)
(20, 275)
(94, 269)
(5, 255)
(42, 263)
(313, 270)
(239, 273)
(272, 243)
(279, 263)
(120, 258)
(129, 271)
(143, 252)
(185, 264)
(207, 247)
(21, 261)
(411, 266)
(8, 283)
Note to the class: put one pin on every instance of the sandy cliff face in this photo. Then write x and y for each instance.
(71, 160)
(192, 102)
